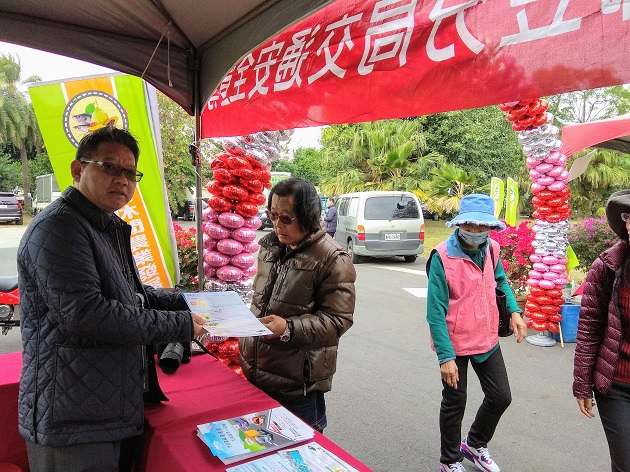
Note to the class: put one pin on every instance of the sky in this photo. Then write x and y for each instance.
(52, 67)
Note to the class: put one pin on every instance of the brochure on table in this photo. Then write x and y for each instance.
(226, 314)
(309, 457)
(249, 435)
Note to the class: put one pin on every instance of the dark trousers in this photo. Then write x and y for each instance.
(95, 457)
(614, 410)
(497, 397)
(310, 408)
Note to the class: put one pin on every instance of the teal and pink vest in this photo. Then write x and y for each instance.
(472, 319)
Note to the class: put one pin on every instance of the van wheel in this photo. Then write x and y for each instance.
(355, 257)
(20, 222)
(410, 258)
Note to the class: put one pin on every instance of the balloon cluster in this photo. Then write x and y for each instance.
(241, 173)
(548, 276)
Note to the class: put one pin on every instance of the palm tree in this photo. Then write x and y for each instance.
(606, 172)
(449, 185)
(18, 124)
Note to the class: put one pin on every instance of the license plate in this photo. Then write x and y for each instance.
(4, 206)
(392, 236)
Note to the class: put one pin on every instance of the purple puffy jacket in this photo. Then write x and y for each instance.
(599, 332)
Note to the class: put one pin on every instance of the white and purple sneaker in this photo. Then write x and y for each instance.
(454, 467)
(479, 456)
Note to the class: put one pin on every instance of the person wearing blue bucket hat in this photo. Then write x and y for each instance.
(463, 321)
(601, 365)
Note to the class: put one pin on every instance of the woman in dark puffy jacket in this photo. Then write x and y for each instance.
(602, 352)
(304, 293)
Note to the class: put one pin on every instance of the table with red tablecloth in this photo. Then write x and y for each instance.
(203, 390)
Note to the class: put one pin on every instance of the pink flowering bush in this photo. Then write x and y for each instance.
(187, 254)
(589, 238)
(516, 247)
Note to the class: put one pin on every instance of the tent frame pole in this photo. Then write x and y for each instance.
(197, 162)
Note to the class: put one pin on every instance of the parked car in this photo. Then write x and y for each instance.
(10, 209)
(186, 210)
(380, 224)
(266, 222)
(428, 214)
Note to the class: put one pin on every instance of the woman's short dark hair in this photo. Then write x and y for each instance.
(307, 204)
(107, 134)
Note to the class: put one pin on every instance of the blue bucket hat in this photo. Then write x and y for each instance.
(477, 209)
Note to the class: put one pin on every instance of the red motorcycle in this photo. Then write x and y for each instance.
(9, 303)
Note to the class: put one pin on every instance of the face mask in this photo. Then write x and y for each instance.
(473, 239)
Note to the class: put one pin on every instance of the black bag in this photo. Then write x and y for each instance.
(505, 328)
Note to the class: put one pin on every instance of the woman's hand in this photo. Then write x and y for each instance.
(274, 323)
(198, 323)
(586, 406)
(449, 373)
(518, 326)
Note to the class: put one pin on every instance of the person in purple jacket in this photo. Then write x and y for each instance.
(463, 320)
(602, 352)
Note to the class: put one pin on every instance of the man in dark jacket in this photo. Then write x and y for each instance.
(331, 217)
(86, 318)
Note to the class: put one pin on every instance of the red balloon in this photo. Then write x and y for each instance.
(263, 175)
(219, 203)
(536, 292)
(215, 188)
(543, 300)
(237, 162)
(537, 316)
(217, 164)
(235, 192)
(247, 174)
(223, 175)
(557, 301)
(554, 293)
(554, 218)
(556, 318)
(553, 327)
(533, 307)
(545, 194)
(537, 325)
(254, 162)
(550, 309)
(253, 185)
(245, 209)
(257, 198)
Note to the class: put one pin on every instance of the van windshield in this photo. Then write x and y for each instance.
(391, 208)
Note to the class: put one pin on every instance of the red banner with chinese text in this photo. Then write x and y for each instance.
(366, 60)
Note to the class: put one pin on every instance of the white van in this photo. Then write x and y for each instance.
(380, 223)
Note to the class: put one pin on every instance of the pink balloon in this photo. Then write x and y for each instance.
(229, 246)
(536, 187)
(564, 175)
(560, 282)
(562, 160)
(534, 174)
(555, 171)
(229, 273)
(534, 274)
(249, 271)
(252, 222)
(532, 282)
(545, 181)
(540, 267)
(231, 220)
(543, 167)
(558, 268)
(209, 215)
(550, 276)
(535, 258)
(251, 247)
(243, 260)
(209, 243)
(215, 258)
(553, 157)
(244, 235)
(550, 260)
(563, 260)
(556, 186)
(531, 162)
(547, 284)
(216, 231)
(209, 271)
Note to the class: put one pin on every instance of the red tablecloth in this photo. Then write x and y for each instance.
(202, 391)
(12, 446)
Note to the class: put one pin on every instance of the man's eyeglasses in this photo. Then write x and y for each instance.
(624, 217)
(115, 170)
(284, 219)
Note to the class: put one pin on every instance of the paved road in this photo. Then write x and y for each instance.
(386, 393)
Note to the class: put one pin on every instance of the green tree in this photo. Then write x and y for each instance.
(39, 166)
(308, 164)
(18, 125)
(449, 185)
(10, 173)
(589, 105)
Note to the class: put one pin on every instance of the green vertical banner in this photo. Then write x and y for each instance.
(497, 193)
(511, 204)
(68, 110)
